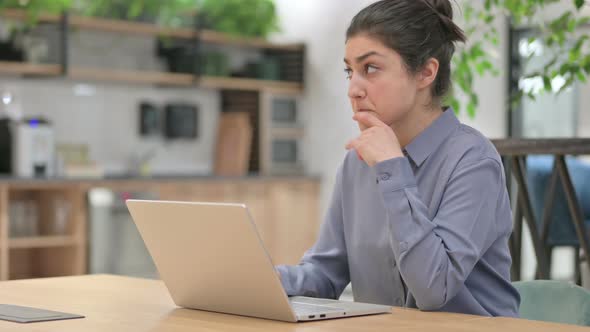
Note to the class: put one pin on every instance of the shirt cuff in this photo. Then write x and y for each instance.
(394, 174)
(283, 271)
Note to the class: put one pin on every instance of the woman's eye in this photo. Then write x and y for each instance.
(348, 73)
(370, 69)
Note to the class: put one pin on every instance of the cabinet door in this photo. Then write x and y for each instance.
(256, 197)
(285, 212)
(205, 191)
(296, 219)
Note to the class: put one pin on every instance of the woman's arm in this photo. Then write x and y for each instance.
(323, 270)
(435, 257)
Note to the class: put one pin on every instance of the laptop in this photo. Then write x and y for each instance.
(210, 257)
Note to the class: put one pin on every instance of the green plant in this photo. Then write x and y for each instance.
(34, 8)
(172, 13)
(256, 18)
(569, 59)
(237, 17)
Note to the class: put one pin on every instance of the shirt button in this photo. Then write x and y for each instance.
(385, 176)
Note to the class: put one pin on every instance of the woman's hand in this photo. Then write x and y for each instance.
(377, 143)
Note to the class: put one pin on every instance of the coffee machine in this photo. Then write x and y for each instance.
(27, 147)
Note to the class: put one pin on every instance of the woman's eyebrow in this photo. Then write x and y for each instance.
(363, 57)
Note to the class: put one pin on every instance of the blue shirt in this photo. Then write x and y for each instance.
(429, 230)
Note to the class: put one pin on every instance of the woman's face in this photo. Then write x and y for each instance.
(379, 81)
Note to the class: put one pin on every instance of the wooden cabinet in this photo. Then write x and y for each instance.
(285, 210)
(42, 231)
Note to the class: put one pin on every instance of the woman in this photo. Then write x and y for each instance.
(420, 215)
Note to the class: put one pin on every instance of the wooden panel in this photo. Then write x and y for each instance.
(24, 68)
(286, 213)
(256, 197)
(233, 146)
(22, 264)
(249, 84)
(177, 79)
(130, 76)
(245, 102)
(46, 215)
(60, 249)
(18, 14)
(42, 242)
(26, 263)
(563, 146)
(55, 262)
(295, 208)
(78, 224)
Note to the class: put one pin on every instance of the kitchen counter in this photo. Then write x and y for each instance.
(285, 209)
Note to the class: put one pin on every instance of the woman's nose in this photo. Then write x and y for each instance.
(356, 89)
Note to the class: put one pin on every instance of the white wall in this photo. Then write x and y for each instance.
(328, 114)
(584, 110)
(105, 115)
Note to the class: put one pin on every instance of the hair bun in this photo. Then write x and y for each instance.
(443, 7)
(444, 10)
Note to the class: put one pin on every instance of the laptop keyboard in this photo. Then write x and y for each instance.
(306, 309)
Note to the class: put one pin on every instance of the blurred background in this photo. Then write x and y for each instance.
(245, 101)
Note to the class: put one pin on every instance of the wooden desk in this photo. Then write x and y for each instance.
(112, 304)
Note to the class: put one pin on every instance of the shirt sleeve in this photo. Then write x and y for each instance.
(436, 256)
(323, 270)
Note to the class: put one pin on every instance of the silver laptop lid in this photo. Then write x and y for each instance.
(210, 257)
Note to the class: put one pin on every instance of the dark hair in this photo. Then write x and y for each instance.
(416, 29)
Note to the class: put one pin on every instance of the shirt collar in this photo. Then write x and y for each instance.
(430, 138)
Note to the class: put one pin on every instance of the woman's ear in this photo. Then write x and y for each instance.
(427, 75)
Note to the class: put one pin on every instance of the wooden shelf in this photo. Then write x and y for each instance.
(130, 76)
(248, 84)
(215, 37)
(150, 77)
(164, 78)
(18, 14)
(149, 29)
(22, 68)
(42, 242)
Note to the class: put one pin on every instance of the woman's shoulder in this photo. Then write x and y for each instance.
(472, 146)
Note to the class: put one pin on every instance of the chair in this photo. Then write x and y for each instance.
(554, 301)
(561, 230)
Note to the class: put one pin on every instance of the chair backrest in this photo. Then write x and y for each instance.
(554, 301)
(562, 231)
